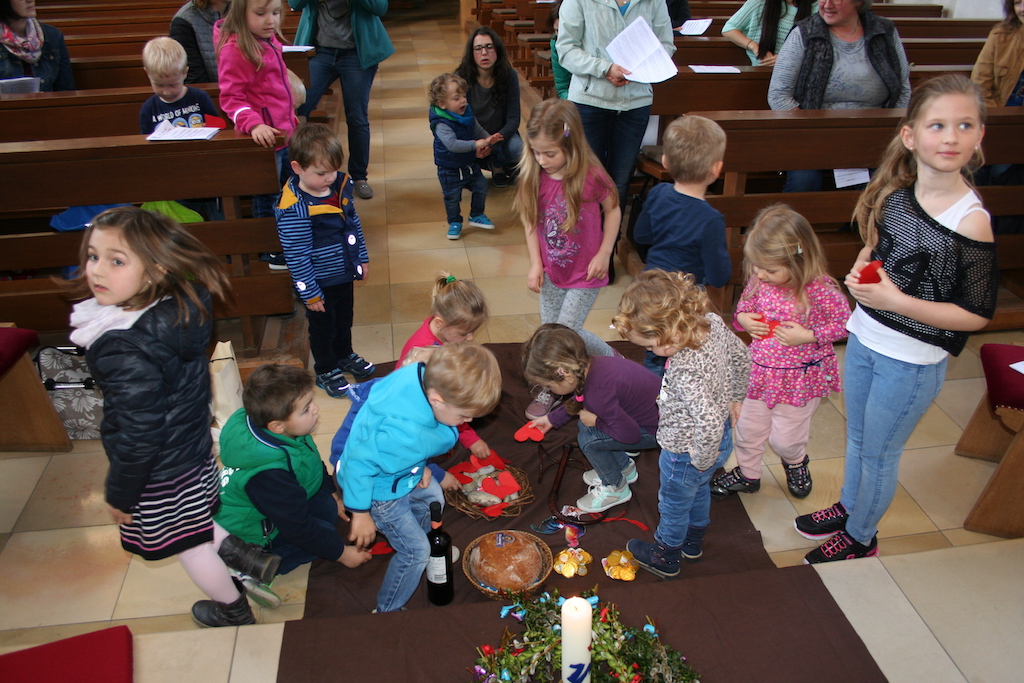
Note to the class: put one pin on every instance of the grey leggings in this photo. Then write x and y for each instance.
(570, 307)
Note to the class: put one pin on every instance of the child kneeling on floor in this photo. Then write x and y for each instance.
(706, 375)
(411, 415)
(274, 489)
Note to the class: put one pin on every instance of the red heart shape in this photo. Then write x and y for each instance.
(461, 471)
(869, 273)
(494, 510)
(528, 431)
(505, 485)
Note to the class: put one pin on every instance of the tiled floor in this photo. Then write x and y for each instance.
(940, 604)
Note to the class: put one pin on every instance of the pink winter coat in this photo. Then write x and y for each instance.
(249, 96)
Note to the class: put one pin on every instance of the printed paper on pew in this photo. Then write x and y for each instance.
(297, 48)
(711, 69)
(639, 51)
(168, 131)
(694, 27)
(19, 86)
(845, 177)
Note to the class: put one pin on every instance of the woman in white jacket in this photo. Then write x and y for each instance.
(612, 107)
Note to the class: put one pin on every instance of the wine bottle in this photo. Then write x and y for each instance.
(440, 586)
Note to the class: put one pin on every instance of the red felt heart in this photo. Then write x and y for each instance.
(869, 273)
(381, 548)
(494, 510)
(505, 484)
(461, 471)
(528, 431)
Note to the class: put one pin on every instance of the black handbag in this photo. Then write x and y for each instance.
(74, 392)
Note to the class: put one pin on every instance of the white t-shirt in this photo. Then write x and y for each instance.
(889, 342)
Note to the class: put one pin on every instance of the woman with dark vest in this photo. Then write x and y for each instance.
(192, 26)
(843, 57)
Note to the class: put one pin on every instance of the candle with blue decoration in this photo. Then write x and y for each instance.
(577, 629)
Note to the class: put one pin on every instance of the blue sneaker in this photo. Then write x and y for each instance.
(454, 231)
(334, 383)
(481, 221)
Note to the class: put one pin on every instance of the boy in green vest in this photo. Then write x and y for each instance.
(275, 491)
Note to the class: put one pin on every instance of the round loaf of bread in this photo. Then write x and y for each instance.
(506, 560)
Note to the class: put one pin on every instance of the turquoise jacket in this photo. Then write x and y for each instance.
(393, 435)
(372, 43)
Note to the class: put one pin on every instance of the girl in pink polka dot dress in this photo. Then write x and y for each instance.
(794, 311)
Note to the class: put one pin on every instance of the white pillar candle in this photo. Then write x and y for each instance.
(577, 620)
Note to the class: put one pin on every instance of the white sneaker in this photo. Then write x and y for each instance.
(592, 478)
(600, 498)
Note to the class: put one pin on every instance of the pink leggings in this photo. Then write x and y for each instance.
(786, 428)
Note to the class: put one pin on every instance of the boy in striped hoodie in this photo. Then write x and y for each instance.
(325, 251)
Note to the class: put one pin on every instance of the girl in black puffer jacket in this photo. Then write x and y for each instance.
(145, 327)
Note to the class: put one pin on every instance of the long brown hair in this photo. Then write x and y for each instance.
(780, 236)
(558, 121)
(898, 168)
(235, 23)
(175, 262)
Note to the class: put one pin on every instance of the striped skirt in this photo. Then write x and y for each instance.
(172, 516)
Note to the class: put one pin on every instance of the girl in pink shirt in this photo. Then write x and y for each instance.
(793, 311)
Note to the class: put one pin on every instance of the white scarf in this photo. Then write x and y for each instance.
(92, 320)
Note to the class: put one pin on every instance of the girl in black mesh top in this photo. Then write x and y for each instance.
(920, 217)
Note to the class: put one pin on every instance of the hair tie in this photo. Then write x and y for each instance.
(799, 249)
(579, 398)
(565, 128)
(450, 279)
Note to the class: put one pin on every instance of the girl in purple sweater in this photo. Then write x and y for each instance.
(615, 399)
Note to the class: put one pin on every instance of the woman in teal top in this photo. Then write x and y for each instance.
(761, 26)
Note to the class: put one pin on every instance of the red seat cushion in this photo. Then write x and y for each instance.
(14, 342)
(1005, 385)
(98, 657)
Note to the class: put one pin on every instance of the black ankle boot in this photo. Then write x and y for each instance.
(210, 613)
(249, 559)
(693, 545)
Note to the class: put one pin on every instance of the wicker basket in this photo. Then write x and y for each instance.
(457, 499)
(502, 594)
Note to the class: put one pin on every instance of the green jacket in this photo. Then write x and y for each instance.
(372, 43)
(247, 450)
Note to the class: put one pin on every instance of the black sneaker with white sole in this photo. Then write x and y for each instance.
(357, 366)
(822, 524)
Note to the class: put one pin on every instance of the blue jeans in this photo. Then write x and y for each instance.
(323, 512)
(804, 181)
(452, 181)
(263, 204)
(615, 137)
(885, 399)
(607, 455)
(654, 362)
(505, 154)
(405, 521)
(684, 498)
(327, 66)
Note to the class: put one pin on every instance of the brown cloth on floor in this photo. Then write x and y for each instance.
(732, 613)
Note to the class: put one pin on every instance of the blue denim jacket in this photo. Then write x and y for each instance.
(53, 67)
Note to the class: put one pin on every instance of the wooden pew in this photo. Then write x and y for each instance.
(129, 169)
(770, 141)
(125, 70)
(721, 8)
(59, 115)
(908, 27)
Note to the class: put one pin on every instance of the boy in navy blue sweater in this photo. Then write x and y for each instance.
(458, 142)
(165, 63)
(325, 251)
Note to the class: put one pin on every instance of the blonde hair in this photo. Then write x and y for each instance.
(558, 121)
(692, 145)
(164, 56)
(459, 303)
(665, 306)
(438, 89)
(174, 261)
(466, 376)
(898, 168)
(298, 89)
(554, 353)
(779, 236)
(236, 24)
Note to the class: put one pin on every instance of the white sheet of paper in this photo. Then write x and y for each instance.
(845, 177)
(639, 51)
(167, 131)
(711, 69)
(296, 48)
(1018, 366)
(694, 27)
(19, 86)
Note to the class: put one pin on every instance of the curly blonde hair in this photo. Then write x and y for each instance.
(666, 307)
